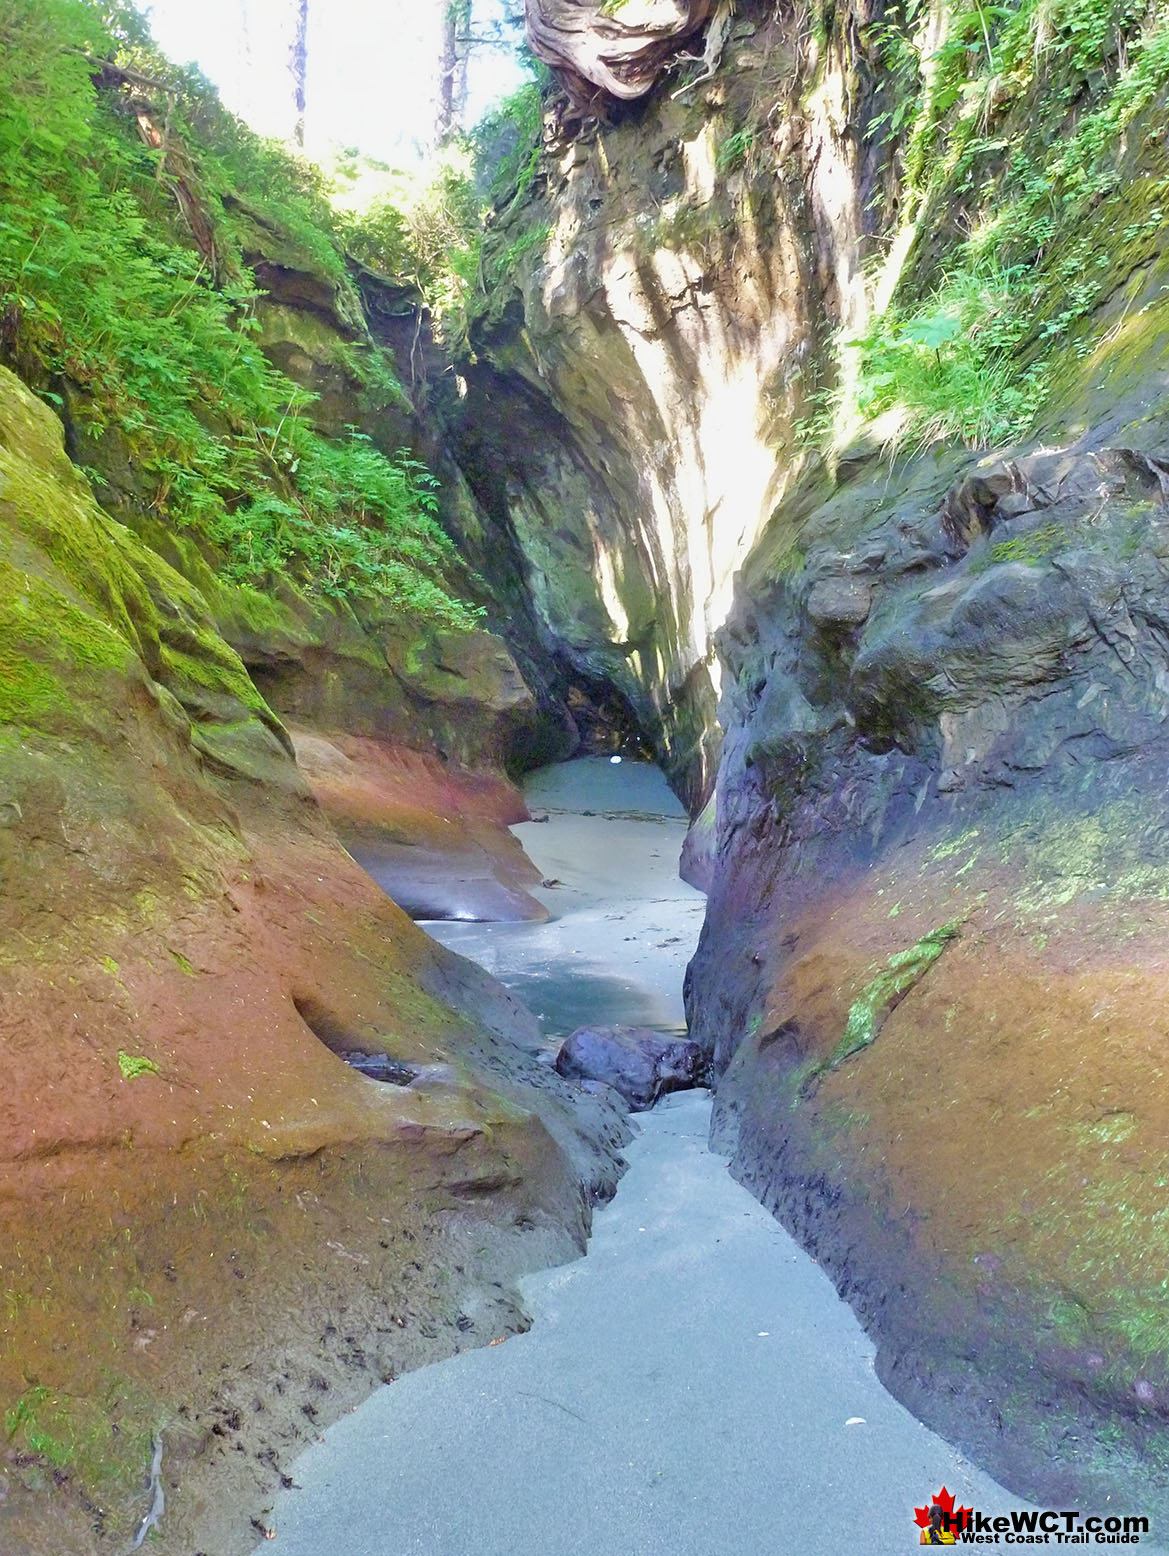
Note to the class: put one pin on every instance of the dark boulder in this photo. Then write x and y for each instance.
(636, 1061)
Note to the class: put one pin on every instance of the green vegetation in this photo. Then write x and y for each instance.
(868, 1011)
(896, 978)
(42, 636)
(1022, 119)
(950, 367)
(127, 211)
(504, 262)
(1112, 846)
(1113, 1129)
(80, 1436)
(426, 231)
(430, 228)
(898, 51)
(1029, 548)
(506, 144)
(735, 150)
(134, 1065)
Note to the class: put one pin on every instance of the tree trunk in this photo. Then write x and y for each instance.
(298, 65)
(452, 67)
(598, 54)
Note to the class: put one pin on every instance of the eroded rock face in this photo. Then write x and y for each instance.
(982, 747)
(639, 1063)
(367, 672)
(943, 691)
(638, 376)
(432, 835)
(186, 956)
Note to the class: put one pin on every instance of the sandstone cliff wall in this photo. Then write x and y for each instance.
(635, 384)
(932, 974)
(192, 1176)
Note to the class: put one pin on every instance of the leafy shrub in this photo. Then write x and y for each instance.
(356, 524)
(948, 368)
(102, 288)
(427, 232)
(506, 144)
(431, 229)
(380, 238)
(735, 150)
(972, 360)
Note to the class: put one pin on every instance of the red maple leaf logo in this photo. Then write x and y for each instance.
(958, 1518)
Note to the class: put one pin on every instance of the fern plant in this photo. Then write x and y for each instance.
(108, 305)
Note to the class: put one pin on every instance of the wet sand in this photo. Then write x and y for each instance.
(622, 926)
(694, 1386)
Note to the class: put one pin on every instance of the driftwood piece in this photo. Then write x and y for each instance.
(177, 171)
(611, 48)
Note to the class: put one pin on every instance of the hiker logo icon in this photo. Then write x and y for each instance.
(938, 1521)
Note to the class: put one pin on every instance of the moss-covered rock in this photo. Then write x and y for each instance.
(774, 317)
(362, 669)
(983, 744)
(187, 954)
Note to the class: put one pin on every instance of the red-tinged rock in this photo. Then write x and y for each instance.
(186, 956)
(432, 834)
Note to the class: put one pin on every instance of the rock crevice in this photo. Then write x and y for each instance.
(937, 695)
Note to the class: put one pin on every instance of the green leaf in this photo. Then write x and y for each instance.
(932, 332)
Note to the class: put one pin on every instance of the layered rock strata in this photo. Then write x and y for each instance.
(217, 1231)
(648, 355)
(931, 977)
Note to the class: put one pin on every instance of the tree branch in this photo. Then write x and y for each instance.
(134, 76)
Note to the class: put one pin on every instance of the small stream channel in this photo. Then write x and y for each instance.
(623, 924)
(694, 1386)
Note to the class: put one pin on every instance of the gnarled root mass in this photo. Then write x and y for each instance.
(614, 48)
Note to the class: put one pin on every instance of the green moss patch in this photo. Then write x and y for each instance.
(134, 1065)
(82, 598)
(91, 1439)
(867, 1013)
(192, 677)
(45, 640)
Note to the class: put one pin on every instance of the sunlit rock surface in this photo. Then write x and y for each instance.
(943, 685)
(636, 383)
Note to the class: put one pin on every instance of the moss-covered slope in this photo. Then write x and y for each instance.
(178, 290)
(191, 1174)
